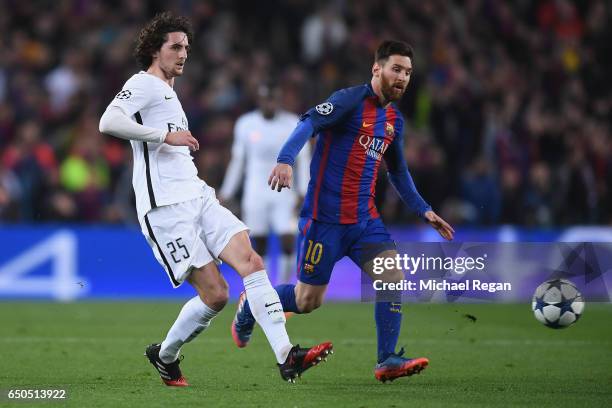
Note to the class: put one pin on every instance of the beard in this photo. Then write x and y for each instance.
(390, 90)
(178, 71)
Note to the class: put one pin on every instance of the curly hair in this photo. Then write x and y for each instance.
(154, 34)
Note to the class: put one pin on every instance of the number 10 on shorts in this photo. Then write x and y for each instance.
(314, 252)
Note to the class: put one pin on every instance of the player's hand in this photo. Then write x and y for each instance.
(280, 177)
(444, 229)
(182, 138)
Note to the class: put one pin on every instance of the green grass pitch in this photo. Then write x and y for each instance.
(504, 358)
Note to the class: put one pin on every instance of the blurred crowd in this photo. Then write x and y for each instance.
(508, 112)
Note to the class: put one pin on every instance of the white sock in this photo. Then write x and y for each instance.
(193, 319)
(286, 268)
(268, 312)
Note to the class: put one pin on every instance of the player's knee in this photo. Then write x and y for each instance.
(307, 303)
(251, 263)
(214, 294)
(215, 297)
(221, 296)
(256, 262)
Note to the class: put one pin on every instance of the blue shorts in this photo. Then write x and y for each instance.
(320, 245)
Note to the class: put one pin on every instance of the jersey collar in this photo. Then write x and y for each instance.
(372, 93)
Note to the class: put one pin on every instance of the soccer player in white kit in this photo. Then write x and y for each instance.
(183, 222)
(258, 137)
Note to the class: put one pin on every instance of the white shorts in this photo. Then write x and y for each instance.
(190, 234)
(270, 211)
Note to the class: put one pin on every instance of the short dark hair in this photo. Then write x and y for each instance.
(154, 34)
(390, 47)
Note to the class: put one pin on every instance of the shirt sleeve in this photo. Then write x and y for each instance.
(323, 116)
(135, 95)
(334, 110)
(400, 177)
(296, 141)
(233, 174)
(116, 123)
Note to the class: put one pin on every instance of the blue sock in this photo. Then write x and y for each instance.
(286, 294)
(388, 322)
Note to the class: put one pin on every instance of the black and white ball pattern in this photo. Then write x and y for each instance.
(325, 108)
(557, 303)
(125, 94)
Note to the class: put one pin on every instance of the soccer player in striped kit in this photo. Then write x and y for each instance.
(356, 128)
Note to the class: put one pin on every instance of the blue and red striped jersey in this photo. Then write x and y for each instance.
(354, 134)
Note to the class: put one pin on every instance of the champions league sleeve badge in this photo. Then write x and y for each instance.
(325, 108)
(125, 94)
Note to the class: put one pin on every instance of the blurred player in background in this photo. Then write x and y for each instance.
(357, 128)
(183, 222)
(258, 137)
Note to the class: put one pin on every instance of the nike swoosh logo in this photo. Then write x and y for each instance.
(168, 97)
(270, 304)
(366, 124)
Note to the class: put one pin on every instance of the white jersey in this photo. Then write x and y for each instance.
(257, 142)
(163, 174)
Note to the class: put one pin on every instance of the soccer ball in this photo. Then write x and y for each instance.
(557, 303)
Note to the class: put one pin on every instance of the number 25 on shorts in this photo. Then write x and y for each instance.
(314, 252)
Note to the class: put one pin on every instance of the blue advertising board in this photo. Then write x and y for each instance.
(67, 263)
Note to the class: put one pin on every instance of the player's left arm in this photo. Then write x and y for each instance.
(282, 174)
(402, 181)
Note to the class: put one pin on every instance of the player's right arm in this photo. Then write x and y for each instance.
(116, 120)
(282, 174)
(116, 123)
(323, 116)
